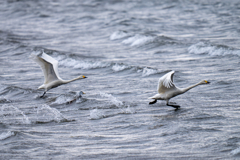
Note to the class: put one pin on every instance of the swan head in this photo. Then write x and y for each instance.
(82, 77)
(204, 82)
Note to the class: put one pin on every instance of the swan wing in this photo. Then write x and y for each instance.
(47, 68)
(166, 83)
(53, 61)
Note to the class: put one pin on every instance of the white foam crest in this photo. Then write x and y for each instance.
(69, 62)
(213, 50)
(138, 40)
(96, 114)
(9, 110)
(118, 35)
(45, 113)
(6, 135)
(148, 71)
(118, 67)
(235, 151)
(113, 99)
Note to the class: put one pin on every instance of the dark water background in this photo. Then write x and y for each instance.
(123, 47)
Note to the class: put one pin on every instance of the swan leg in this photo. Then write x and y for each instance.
(43, 94)
(155, 101)
(173, 105)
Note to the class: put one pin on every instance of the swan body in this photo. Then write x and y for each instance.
(49, 67)
(167, 90)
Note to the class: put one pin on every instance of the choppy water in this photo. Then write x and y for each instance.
(123, 47)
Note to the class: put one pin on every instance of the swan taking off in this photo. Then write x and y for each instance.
(167, 90)
(50, 70)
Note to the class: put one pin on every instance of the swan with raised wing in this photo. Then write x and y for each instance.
(167, 90)
(49, 67)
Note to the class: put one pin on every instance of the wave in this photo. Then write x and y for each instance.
(119, 67)
(141, 39)
(65, 61)
(235, 151)
(80, 64)
(119, 35)
(14, 90)
(212, 49)
(6, 135)
(149, 71)
(87, 65)
(146, 71)
(138, 40)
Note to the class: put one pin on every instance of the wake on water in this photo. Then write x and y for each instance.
(99, 113)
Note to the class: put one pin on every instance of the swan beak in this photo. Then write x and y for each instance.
(207, 82)
(84, 76)
(83, 92)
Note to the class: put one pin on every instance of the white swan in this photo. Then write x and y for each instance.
(167, 90)
(50, 70)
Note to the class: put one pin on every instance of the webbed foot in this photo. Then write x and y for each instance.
(42, 95)
(155, 101)
(174, 106)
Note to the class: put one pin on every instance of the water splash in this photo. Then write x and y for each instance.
(96, 114)
(128, 110)
(12, 111)
(45, 114)
(112, 99)
(25, 118)
(6, 135)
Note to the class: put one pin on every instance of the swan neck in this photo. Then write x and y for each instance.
(68, 81)
(190, 87)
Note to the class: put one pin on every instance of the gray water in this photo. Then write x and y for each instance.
(123, 47)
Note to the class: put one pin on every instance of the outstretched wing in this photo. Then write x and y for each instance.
(47, 68)
(53, 61)
(166, 82)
